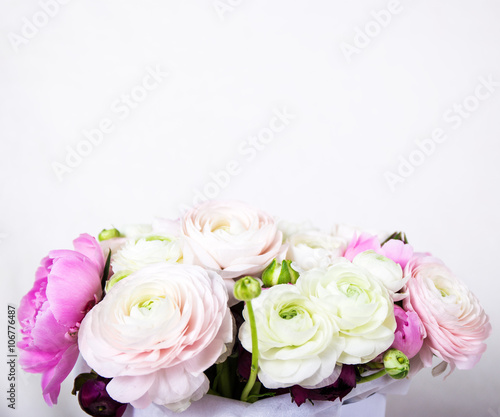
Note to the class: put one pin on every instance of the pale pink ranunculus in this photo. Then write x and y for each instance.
(455, 323)
(156, 332)
(409, 334)
(230, 238)
(67, 285)
(394, 249)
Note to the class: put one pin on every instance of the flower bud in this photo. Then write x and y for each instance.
(158, 237)
(247, 288)
(277, 273)
(115, 278)
(410, 332)
(95, 400)
(108, 234)
(396, 364)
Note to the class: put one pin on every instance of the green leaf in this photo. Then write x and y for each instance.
(222, 382)
(396, 236)
(81, 379)
(106, 272)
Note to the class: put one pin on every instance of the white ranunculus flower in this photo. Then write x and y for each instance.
(230, 238)
(360, 305)
(156, 333)
(314, 249)
(298, 342)
(291, 228)
(387, 272)
(136, 254)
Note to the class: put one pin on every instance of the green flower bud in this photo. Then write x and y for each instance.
(396, 364)
(277, 273)
(115, 278)
(108, 234)
(247, 288)
(158, 237)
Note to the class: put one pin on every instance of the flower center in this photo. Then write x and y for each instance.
(288, 313)
(352, 291)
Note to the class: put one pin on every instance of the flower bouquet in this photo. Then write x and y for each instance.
(226, 312)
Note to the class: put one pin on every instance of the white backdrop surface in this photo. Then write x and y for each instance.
(116, 111)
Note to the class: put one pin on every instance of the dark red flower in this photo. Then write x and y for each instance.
(95, 400)
(339, 389)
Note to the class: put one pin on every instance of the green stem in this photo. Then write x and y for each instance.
(255, 354)
(374, 365)
(372, 376)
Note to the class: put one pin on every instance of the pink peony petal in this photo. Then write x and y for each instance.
(88, 246)
(398, 251)
(360, 244)
(74, 281)
(67, 285)
(52, 380)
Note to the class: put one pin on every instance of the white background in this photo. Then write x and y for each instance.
(353, 120)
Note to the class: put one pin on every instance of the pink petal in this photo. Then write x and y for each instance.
(360, 244)
(126, 389)
(88, 246)
(74, 281)
(398, 251)
(50, 397)
(52, 380)
(49, 335)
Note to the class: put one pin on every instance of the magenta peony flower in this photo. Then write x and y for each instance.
(67, 285)
(393, 249)
(410, 333)
(455, 323)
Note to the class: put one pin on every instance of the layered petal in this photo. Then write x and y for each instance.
(230, 238)
(156, 332)
(456, 325)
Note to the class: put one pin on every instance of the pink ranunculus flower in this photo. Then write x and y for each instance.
(409, 334)
(67, 285)
(394, 249)
(455, 323)
(230, 238)
(156, 332)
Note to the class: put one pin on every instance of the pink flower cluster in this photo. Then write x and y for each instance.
(155, 327)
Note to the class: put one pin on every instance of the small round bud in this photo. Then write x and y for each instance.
(108, 234)
(247, 288)
(279, 273)
(396, 364)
